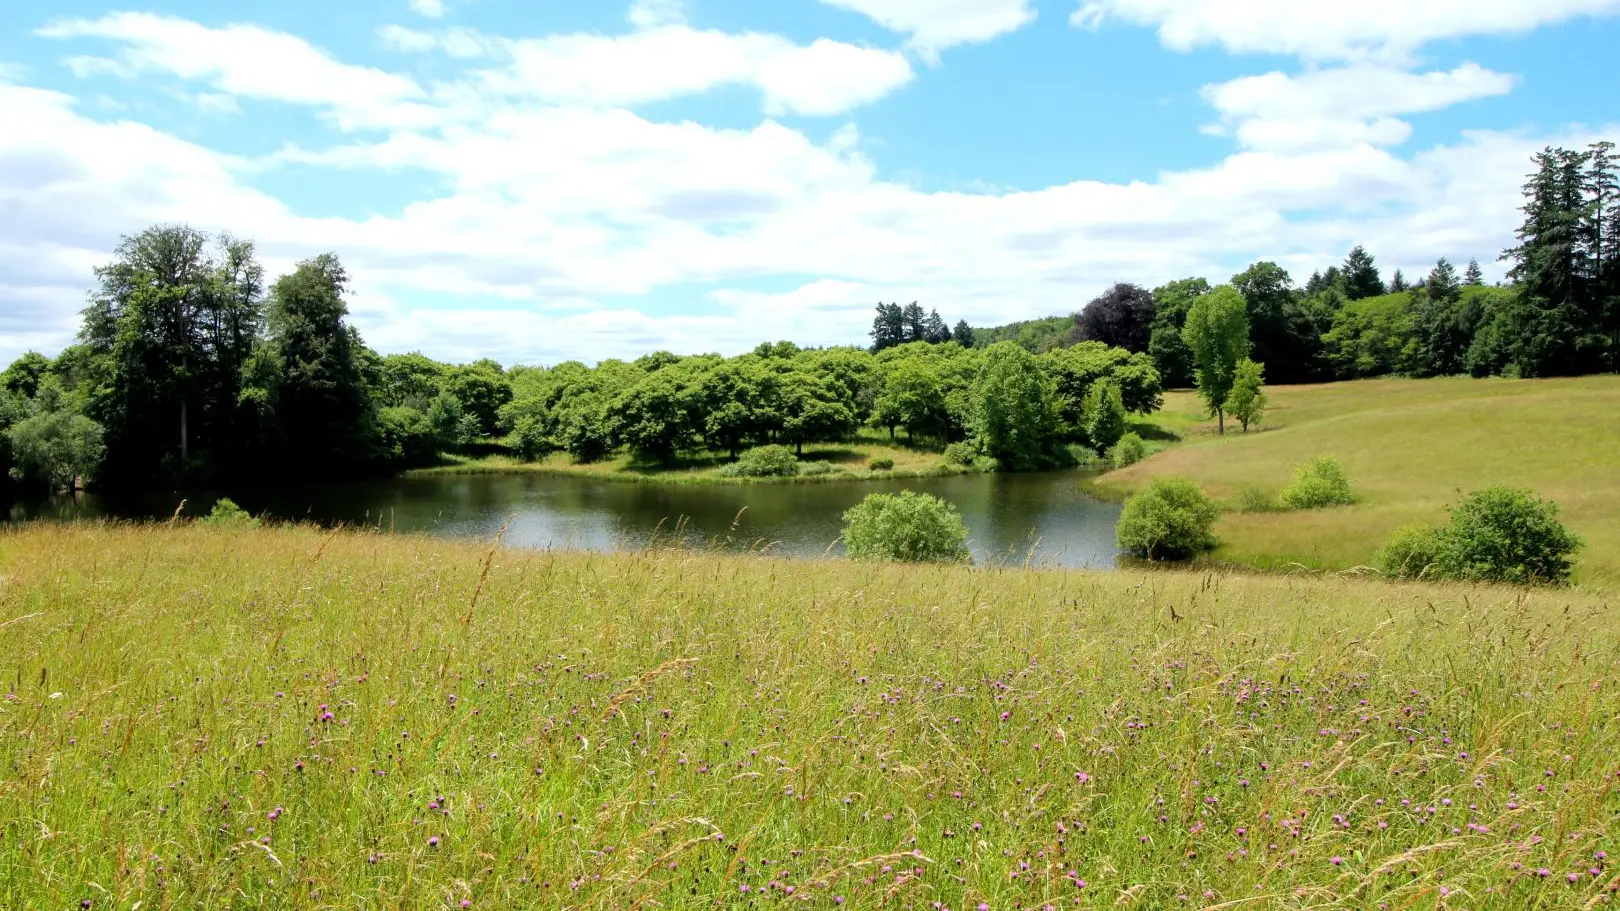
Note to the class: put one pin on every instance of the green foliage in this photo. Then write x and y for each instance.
(654, 418)
(406, 436)
(54, 448)
(818, 469)
(23, 376)
(1412, 552)
(1128, 451)
(880, 464)
(483, 390)
(1105, 416)
(1076, 369)
(1170, 354)
(1036, 336)
(1013, 416)
(1170, 519)
(912, 397)
(226, 512)
(1247, 400)
(1361, 279)
(1257, 499)
(1318, 483)
(907, 527)
(1217, 334)
(764, 462)
(1375, 336)
(961, 453)
(1504, 534)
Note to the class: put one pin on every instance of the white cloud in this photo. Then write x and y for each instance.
(460, 43)
(934, 25)
(251, 62)
(655, 13)
(432, 9)
(1323, 30)
(1342, 106)
(824, 77)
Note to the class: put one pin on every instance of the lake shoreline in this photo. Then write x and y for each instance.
(678, 477)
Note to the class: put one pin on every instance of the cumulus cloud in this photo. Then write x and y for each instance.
(934, 25)
(1326, 31)
(1342, 106)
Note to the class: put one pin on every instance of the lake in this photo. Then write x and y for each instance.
(1043, 519)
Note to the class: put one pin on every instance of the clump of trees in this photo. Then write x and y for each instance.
(1318, 483)
(1498, 534)
(1558, 315)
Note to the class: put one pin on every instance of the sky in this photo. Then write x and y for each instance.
(543, 180)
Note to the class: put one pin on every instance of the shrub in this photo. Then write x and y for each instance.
(880, 465)
(1169, 520)
(1318, 483)
(1411, 552)
(908, 526)
(818, 469)
(1501, 534)
(764, 462)
(1257, 499)
(1105, 416)
(1128, 451)
(961, 454)
(226, 512)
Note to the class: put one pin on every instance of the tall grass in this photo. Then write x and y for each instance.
(290, 718)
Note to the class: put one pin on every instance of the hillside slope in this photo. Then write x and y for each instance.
(1411, 447)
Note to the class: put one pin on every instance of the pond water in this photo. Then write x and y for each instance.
(1040, 519)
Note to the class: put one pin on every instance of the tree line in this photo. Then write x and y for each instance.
(191, 367)
(1558, 315)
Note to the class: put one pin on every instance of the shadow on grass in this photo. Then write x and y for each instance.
(1150, 431)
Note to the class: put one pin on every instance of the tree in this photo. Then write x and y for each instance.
(23, 376)
(1444, 331)
(912, 398)
(916, 323)
(483, 390)
(1361, 277)
(410, 380)
(888, 327)
(963, 334)
(1217, 334)
(810, 411)
(56, 447)
(1013, 416)
(1076, 370)
(734, 399)
(1397, 283)
(1498, 534)
(324, 414)
(1170, 354)
(1247, 400)
(1105, 416)
(935, 330)
(1474, 277)
(1282, 333)
(1122, 317)
(908, 527)
(654, 418)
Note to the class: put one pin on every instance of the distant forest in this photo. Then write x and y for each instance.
(191, 367)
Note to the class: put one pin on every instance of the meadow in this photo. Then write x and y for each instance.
(1411, 448)
(196, 717)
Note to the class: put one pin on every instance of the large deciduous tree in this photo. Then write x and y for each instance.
(1217, 333)
(1122, 317)
(1014, 416)
(1170, 354)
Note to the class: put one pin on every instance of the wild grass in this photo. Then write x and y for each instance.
(851, 462)
(287, 718)
(1410, 448)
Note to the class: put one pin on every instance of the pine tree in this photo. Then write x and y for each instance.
(935, 331)
(963, 334)
(1473, 277)
(1601, 235)
(888, 327)
(1361, 277)
(916, 322)
(1397, 283)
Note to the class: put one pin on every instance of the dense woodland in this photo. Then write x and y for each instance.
(193, 368)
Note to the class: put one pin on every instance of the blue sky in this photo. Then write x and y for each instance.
(541, 181)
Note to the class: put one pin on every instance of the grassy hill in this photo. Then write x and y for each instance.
(195, 717)
(1411, 447)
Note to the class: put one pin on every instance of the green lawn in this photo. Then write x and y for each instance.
(290, 718)
(1411, 447)
(852, 458)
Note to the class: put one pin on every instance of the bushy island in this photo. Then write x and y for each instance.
(285, 717)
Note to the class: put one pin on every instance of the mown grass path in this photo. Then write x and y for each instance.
(290, 718)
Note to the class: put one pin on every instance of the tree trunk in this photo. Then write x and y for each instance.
(185, 445)
(801, 449)
(1220, 417)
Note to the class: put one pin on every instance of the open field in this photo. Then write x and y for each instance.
(289, 718)
(852, 459)
(1411, 447)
